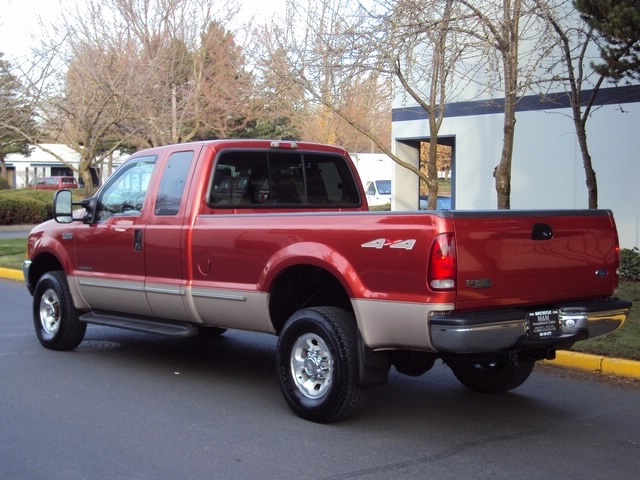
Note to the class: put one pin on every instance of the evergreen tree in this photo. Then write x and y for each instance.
(618, 22)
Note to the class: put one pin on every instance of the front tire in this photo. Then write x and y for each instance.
(55, 319)
(497, 376)
(317, 364)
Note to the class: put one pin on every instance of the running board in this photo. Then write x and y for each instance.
(140, 324)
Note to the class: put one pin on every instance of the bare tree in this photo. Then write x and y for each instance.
(77, 84)
(309, 55)
(86, 116)
(575, 39)
(505, 26)
(334, 48)
(501, 29)
(135, 73)
(424, 53)
(195, 82)
(15, 116)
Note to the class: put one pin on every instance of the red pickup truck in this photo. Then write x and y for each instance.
(275, 237)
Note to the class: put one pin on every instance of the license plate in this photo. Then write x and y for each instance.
(543, 324)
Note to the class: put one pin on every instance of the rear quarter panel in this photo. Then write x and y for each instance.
(248, 251)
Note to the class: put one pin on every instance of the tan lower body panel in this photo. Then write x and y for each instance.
(393, 325)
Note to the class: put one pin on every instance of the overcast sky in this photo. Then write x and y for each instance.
(19, 26)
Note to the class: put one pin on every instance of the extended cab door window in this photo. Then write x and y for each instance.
(125, 192)
(172, 183)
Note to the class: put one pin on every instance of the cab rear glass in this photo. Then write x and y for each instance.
(254, 179)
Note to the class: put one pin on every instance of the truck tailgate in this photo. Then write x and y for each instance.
(510, 258)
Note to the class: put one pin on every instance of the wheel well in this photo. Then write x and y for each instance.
(305, 286)
(42, 264)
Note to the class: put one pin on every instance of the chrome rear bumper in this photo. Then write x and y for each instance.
(498, 330)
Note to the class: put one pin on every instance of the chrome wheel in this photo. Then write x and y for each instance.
(55, 318)
(311, 366)
(50, 312)
(317, 362)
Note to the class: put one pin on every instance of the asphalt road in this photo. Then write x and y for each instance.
(128, 406)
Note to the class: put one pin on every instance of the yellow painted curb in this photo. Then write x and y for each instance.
(581, 361)
(593, 363)
(11, 274)
(620, 367)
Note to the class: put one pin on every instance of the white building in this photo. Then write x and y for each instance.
(547, 170)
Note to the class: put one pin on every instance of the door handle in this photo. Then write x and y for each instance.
(137, 240)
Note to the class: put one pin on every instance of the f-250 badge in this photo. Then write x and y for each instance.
(385, 242)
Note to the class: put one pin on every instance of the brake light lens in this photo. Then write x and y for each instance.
(442, 263)
(291, 145)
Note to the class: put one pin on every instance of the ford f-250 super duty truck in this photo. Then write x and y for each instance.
(275, 237)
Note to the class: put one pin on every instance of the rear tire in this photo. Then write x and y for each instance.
(55, 319)
(317, 364)
(492, 377)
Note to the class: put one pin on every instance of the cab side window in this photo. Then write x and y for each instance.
(125, 191)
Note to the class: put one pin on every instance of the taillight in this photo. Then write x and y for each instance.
(442, 263)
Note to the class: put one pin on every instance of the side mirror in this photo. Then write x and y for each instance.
(62, 202)
(63, 207)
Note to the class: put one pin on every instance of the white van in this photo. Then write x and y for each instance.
(378, 192)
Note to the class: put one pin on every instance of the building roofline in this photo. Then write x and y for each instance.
(605, 96)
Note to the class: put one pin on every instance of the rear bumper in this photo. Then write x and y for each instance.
(498, 330)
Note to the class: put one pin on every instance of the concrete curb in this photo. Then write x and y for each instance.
(619, 367)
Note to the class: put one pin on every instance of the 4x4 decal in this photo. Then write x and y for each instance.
(385, 242)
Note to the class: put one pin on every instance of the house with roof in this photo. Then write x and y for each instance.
(44, 161)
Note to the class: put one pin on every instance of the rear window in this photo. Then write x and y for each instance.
(254, 179)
